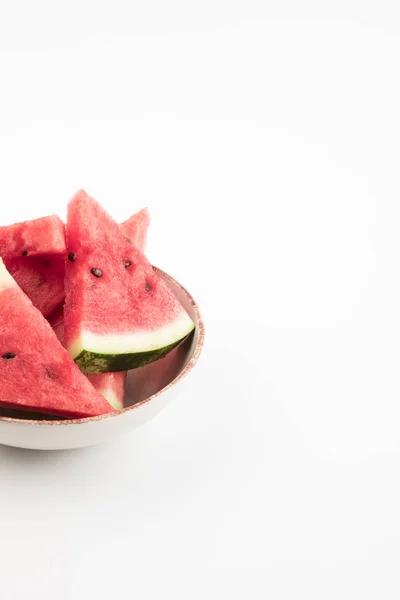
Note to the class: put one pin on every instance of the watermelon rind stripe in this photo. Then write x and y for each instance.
(133, 341)
(92, 363)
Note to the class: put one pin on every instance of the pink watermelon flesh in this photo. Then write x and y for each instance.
(110, 385)
(40, 237)
(56, 320)
(135, 229)
(42, 280)
(119, 314)
(36, 373)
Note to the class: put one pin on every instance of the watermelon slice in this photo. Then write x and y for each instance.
(135, 229)
(119, 314)
(40, 237)
(36, 372)
(34, 253)
(42, 280)
(111, 385)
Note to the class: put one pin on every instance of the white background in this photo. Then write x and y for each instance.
(265, 140)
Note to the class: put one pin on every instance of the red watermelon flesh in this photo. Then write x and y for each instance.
(110, 385)
(135, 228)
(56, 320)
(42, 280)
(36, 373)
(119, 313)
(40, 237)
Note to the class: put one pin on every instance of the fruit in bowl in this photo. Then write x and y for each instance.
(81, 309)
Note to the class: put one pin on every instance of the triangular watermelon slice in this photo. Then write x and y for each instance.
(119, 314)
(40, 237)
(135, 228)
(36, 373)
(34, 253)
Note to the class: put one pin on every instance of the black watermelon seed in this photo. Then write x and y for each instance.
(71, 256)
(25, 253)
(97, 272)
(127, 263)
(149, 287)
(9, 355)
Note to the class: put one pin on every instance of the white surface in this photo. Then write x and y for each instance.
(265, 141)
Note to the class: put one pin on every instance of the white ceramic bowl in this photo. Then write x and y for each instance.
(148, 390)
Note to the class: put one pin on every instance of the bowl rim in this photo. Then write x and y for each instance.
(113, 415)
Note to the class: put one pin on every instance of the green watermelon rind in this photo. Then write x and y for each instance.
(92, 363)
